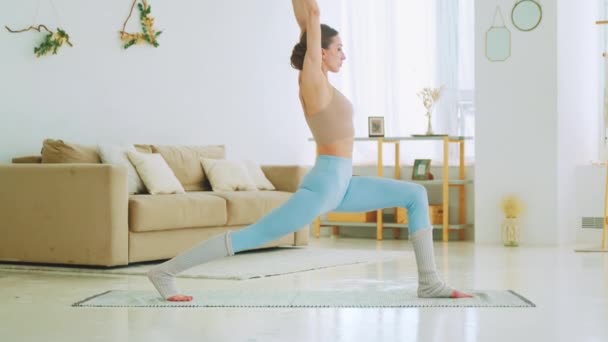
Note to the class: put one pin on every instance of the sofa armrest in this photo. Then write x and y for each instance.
(27, 160)
(64, 214)
(285, 177)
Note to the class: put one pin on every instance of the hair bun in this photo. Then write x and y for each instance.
(297, 55)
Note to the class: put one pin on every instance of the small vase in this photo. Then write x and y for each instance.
(429, 128)
(510, 232)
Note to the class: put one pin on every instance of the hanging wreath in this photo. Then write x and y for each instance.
(52, 40)
(148, 33)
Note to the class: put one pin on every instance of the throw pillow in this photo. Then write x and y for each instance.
(58, 151)
(117, 155)
(155, 173)
(257, 175)
(186, 164)
(226, 175)
(143, 148)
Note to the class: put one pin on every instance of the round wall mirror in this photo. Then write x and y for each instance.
(526, 15)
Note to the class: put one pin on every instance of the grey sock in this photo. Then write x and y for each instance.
(163, 275)
(429, 284)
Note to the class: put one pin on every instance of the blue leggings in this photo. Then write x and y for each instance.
(330, 186)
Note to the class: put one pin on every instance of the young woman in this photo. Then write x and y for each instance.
(329, 185)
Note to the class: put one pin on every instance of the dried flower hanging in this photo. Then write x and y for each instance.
(148, 33)
(52, 40)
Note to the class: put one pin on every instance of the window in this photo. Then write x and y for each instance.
(395, 48)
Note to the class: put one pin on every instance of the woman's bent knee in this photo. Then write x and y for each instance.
(419, 194)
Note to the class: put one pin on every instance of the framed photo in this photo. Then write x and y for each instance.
(375, 126)
(422, 169)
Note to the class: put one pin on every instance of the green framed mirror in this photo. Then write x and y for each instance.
(526, 15)
(498, 44)
(498, 39)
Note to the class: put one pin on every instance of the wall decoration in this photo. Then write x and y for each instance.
(498, 40)
(526, 15)
(52, 40)
(148, 33)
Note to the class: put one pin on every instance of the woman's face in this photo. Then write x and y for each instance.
(333, 56)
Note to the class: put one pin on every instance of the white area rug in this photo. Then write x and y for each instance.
(256, 264)
(335, 298)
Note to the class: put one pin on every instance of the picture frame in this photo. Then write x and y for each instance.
(421, 169)
(375, 126)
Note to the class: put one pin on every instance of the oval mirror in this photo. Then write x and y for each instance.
(526, 15)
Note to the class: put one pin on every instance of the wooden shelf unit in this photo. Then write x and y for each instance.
(445, 182)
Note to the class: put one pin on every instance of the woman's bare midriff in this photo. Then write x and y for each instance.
(340, 148)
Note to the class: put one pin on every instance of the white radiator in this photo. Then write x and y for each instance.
(590, 192)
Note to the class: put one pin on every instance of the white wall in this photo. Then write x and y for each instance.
(516, 127)
(579, 59)
(536, 120)
(220, 75)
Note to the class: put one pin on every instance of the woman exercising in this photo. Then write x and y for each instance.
(329, 185)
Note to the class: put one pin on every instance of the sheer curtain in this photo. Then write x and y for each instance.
(395, 48)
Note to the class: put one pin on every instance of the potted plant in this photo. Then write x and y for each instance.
(512, 208)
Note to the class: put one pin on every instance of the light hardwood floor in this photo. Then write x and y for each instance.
(570, 291)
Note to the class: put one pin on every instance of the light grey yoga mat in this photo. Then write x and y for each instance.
(275, 298)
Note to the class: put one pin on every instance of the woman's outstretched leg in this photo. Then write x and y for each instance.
(372, 193)
(301, 209)
(163, 275)
(321, 190)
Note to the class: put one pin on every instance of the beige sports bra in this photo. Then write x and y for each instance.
(334, 122)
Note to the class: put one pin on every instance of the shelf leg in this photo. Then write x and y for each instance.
(397, 161)
(317, 223)
(379, 172)
(446, 190)
(397, 231)
(605, 226)
(462, 218)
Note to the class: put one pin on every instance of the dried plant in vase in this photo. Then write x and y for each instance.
(430, 97)
(148, 33)
(512, 208)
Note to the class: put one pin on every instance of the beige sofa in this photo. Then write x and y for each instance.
(81, 213)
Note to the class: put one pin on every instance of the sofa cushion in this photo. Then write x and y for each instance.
(58, 151)
(185, 163)
(117, 155)
(257, 175)
(246, 207)
(192, 209)
(227, 175)
(155, 173)
(143, 148)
